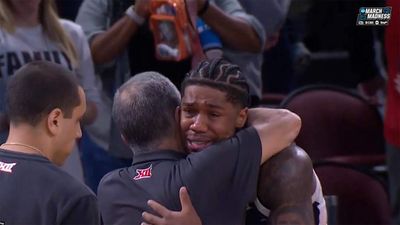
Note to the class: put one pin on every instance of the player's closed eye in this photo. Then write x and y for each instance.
(214, 115)
(187, 112)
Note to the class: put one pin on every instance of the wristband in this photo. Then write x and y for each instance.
(131, 13)
(204, 8)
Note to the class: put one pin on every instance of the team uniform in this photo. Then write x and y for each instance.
(221, 180)
(259, 214)
(34, 191)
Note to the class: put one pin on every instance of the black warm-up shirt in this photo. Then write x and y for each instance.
(34, 191)
(221, 181)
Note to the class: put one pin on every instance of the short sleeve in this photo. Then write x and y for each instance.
(234, 8)
(271, 17)
(93, 17)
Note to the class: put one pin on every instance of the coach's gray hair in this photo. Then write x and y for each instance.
(144, 110)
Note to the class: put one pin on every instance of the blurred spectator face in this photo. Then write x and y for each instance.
(25, 5)
(207, 116)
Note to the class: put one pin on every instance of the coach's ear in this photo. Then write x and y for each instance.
(53, 122)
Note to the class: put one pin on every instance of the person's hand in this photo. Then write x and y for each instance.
(186, 216)
(397, 83)
(142, 8)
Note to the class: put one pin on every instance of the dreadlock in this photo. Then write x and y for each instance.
(220, 74)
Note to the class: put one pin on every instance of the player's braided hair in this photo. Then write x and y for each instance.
(222, 75)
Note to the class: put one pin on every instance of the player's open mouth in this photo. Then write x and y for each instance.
(196, 146)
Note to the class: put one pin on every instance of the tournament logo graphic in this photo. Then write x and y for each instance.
(6, 167)
(374, 16)
(143, 173)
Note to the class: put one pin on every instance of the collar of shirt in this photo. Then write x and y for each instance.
(20, 155)
(158, 155)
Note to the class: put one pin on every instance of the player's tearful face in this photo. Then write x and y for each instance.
(207, 116)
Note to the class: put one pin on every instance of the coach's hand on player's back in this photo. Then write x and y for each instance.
(186, 216)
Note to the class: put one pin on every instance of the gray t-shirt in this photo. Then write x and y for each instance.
(249, 63)
(271, 13)
(31, 43)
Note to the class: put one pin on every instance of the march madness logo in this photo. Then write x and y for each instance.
(374, 16)
(6, 167)
(143, 173)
